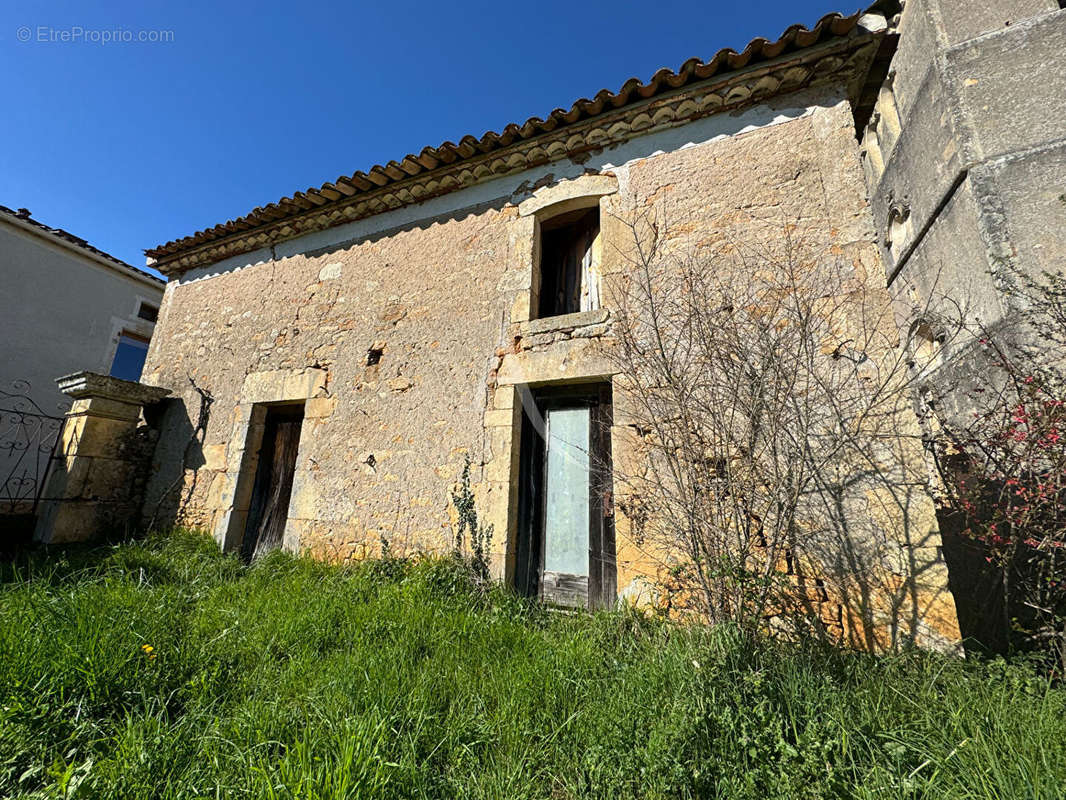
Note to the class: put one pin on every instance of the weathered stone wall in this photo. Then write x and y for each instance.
(879, 578)
(446, 301)
(965, 155)
(965, 160)
(386, 440)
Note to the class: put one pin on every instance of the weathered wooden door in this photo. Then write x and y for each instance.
(566, 548)
(565, 556)
(273, 481)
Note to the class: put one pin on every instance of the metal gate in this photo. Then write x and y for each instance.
(28, 440)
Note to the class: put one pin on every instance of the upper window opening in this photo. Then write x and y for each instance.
(148, 311)
(130, 354)
(569, 279)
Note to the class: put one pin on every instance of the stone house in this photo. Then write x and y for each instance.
(334, 358)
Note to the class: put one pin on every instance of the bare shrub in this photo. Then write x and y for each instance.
(779, 471)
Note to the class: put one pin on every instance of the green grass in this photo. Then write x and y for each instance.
(293, 679)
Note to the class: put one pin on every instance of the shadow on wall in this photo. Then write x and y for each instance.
(880, 573)
(779, 445)
(994, 615)
(179, 453)
(976, 583)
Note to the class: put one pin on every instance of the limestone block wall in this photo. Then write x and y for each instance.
(965, 154)
(392, 435)
(420, 341)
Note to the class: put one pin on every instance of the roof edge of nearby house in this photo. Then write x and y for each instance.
(830, 47)
(22, 220)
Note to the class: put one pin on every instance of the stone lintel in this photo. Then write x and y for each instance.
(569, 361)
(284, 385)
(569, 194)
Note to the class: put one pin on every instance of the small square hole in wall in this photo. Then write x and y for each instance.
(373, 356)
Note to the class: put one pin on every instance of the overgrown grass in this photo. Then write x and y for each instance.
(293, 679)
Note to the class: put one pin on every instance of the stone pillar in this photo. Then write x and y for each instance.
(98, 474)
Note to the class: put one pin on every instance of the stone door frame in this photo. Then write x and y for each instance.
(260, 391)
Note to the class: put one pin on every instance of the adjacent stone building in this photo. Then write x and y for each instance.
(965, 160)
(965, 151)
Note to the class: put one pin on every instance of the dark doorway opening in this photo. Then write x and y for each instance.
(273, 481)
(1003, 608)
(565, 550)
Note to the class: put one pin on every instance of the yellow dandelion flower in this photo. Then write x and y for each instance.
(147, 648)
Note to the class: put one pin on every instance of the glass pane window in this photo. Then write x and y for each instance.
(566, 523)
(129, 358)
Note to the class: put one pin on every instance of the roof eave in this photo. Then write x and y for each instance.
(839, 58)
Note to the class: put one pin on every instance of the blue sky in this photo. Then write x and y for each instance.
(131, 144)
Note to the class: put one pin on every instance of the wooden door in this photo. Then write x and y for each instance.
(566, 549)
(603, 570)
(273, 481)
(566, 553)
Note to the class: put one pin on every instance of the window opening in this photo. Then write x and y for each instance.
(130, 354)
(149, 312)
(568, 275)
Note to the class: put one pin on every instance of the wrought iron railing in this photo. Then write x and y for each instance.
(28, 439)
